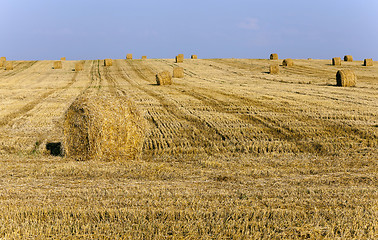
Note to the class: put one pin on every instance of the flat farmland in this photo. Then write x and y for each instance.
(231, 151)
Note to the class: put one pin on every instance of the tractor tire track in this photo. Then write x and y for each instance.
(210, 136)
(276, 128)
(31, 105)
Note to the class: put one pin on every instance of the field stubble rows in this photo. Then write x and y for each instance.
(230, 151)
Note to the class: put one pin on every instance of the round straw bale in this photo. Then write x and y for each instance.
(63, 59)
(164, 78)
(368, 62)
(144, 57)
(57, 65)
(346, 78)
(274, 56)
(180, 58)
(348, 58)
(79, 66)
(336, 61)
(108, 62)
(129, 56)
(178, 72)
(194, 57)
(103, 127)
(9, 65)
(288, 62)
(2, 61)
(274, 69)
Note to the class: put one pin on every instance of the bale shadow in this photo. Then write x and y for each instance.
(55, 148)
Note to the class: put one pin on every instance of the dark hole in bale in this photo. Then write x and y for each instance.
(55, 148)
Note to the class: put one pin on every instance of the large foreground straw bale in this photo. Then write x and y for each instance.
(368, 62)
(164, 78)
(180, 58)
(336, 61)
(274, 56)
(288, 62)
(144, 57)
(348, 58)
(103, 127)
(274, 69)
(108, 62)
(79, 66)
(346, 78)
(129, 56)
(178, 72)
(57, 65)
(9, 65)
(194, 57)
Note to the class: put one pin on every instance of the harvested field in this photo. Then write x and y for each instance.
(230, 152)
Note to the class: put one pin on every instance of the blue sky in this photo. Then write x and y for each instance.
(91, 29)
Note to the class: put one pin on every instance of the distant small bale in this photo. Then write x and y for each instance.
(57, 65)
(348, 58)
(9, 65)
(144, 57)
(63, 59)
(103, 127)
(368, 62)
(346, 78)
(178, 72)
(164, 78)
(108, 62)
(288, 62)
(274, 56)
(129, 56)
(79, 66)
(194, 57)
(180, 58)
(274, 69)
(2, 61)
(336, 61)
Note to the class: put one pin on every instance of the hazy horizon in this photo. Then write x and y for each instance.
(41, 30)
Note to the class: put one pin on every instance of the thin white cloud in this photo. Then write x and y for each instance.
(250, 24)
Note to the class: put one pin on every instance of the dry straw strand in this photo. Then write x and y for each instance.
(346, 78)
(180, 58)
(108, 62)
(194, 57)
(274, 56)
(57, 65)
(368, 62)
(103, 127)
(178, 72)
(274, 69)
(336, 61)
(164, 78)
(288, 62)
(144, 57)
(129, 56)
(348, 58)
